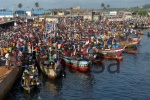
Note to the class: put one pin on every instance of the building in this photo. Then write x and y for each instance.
(20, 13)
(77, 7)
(40, 12)
(149, 13)
(8, 14)
(113, 13)
(127, 15)
(96, 16)
(29, 13)
(84, 13)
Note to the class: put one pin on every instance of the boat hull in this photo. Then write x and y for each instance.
(112, 50)
(50, 72)
(130, 51)
(132, 43)
(83, 69)
(80, 65)
(67, 62)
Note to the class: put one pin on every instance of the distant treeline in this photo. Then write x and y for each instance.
(140, 12)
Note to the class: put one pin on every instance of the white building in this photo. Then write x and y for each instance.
(61, 13)
(149, 13)
(127, 15)
(89, 17)
(113, 13)
(29, 13)
(77, 7)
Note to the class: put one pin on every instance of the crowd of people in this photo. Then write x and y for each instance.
(71, 36)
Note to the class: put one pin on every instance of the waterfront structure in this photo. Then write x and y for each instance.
(77, 12)
(6, 14)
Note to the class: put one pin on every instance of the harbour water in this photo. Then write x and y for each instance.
(129, 81)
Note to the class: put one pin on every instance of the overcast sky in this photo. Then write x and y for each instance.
(50, 4)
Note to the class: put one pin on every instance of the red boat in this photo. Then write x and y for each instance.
(80, 64)
(77, 64)
(67, 61)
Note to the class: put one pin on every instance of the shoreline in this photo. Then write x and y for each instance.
(8, 79)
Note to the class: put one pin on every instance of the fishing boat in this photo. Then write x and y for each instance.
(110, 55)
(50, 65)
(67, 61)
(77, 63)
(132, 43)
(116, 50)
(113, 53)
(130, 51)
(30, 78)
(112, 50)
(80, 64)
(51, 69)
(113, 57)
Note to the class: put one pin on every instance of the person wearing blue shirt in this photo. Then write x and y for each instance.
(24, 51)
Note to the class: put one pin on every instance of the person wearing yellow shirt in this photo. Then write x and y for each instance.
(5, 50)
(105, 43)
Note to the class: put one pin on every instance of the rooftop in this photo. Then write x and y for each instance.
(6, 13)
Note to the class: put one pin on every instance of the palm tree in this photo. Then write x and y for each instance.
(37, 5)
(20, 5)
(108, 6)
(103, 5)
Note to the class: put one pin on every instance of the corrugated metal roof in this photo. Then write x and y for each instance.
(20, 12)
(6, 13)
(40, 12)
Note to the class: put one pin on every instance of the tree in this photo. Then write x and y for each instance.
(20, 5)
(108, 6)
(37, 5)
(103, 5)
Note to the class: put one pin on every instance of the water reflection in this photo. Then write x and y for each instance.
(79, 85)
(52, 86)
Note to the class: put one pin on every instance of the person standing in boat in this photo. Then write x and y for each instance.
(7, 57)
(50, 58)
(27, 79)
(19, 55)
(16, 56)
(105, 43)
(23, 52)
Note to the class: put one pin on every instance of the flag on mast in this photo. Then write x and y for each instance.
(43, 23)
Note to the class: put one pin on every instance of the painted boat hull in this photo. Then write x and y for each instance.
(132, 43)
(80, 65)
(130, 51)
(111, 55)
(77, 64)
(83, 69)
(67, 62)
(115, 51)
(51, 72)
(114, 58)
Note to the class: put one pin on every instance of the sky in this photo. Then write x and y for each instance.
(91, 4)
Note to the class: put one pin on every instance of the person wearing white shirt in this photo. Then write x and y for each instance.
(7, 56)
